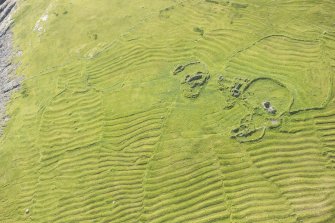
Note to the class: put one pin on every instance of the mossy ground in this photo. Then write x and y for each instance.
(101, 130)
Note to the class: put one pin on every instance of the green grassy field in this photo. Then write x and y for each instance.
(152, 111)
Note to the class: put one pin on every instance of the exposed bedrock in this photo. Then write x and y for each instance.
(8, 82)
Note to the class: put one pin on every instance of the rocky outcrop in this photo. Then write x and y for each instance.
(8, 83)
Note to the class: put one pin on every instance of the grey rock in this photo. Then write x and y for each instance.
(195, 77)
(268, 107)
(8, 82)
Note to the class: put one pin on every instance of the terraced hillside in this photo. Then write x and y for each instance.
(171, 111)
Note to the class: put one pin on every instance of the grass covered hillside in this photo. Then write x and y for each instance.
(150, 111)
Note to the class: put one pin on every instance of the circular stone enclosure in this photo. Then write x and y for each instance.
(265, 90)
